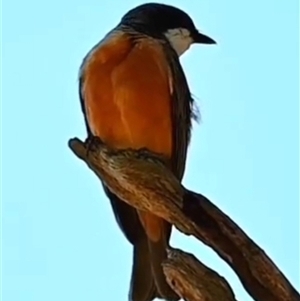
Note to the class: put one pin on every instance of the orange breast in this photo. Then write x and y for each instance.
(126, 89)
(127, 94)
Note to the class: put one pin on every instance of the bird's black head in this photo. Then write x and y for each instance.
(160, 19)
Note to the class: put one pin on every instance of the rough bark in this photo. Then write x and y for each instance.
(141, 179)
(193, 281)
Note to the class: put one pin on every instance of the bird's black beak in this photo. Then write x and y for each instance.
(202, 39)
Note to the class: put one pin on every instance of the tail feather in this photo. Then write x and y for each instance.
(147, 279)
(158, 254)
(142, 286)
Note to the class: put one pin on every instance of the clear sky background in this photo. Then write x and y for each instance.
(60, 240)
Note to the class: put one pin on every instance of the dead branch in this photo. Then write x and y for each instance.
(193, 281)
(141, 179)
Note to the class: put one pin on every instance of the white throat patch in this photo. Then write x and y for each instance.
(180, 39)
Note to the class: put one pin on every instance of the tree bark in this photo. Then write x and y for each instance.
(193, 281)
(142, 179)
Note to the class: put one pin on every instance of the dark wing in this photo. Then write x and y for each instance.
(182, 113)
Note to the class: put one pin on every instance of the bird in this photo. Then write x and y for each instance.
(134, 94)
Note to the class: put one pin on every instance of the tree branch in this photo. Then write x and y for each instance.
(193, 281)
(141, 179)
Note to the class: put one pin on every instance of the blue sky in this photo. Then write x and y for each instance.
(60, 240)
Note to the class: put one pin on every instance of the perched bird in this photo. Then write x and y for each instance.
(134, 94)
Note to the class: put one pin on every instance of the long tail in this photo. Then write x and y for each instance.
(158, 254)
(148, 280)
(142, 286)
